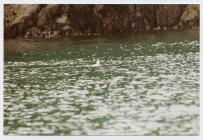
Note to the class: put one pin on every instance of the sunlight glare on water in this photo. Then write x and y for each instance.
(142, 88)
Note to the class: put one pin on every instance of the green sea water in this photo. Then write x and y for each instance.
(146, 85)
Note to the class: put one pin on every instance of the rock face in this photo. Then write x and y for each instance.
(168, 15)
(51, 21)
(19, 18)
(190, 16)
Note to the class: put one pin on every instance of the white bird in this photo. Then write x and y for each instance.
(97, 64)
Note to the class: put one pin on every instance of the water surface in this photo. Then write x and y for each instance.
(147, 85)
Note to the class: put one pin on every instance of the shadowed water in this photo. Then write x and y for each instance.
(147, 85)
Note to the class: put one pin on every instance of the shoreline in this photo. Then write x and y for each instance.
(110, 36)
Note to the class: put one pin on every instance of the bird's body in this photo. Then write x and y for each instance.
(97, 64)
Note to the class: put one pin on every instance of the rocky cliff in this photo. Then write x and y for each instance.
(54, 21)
